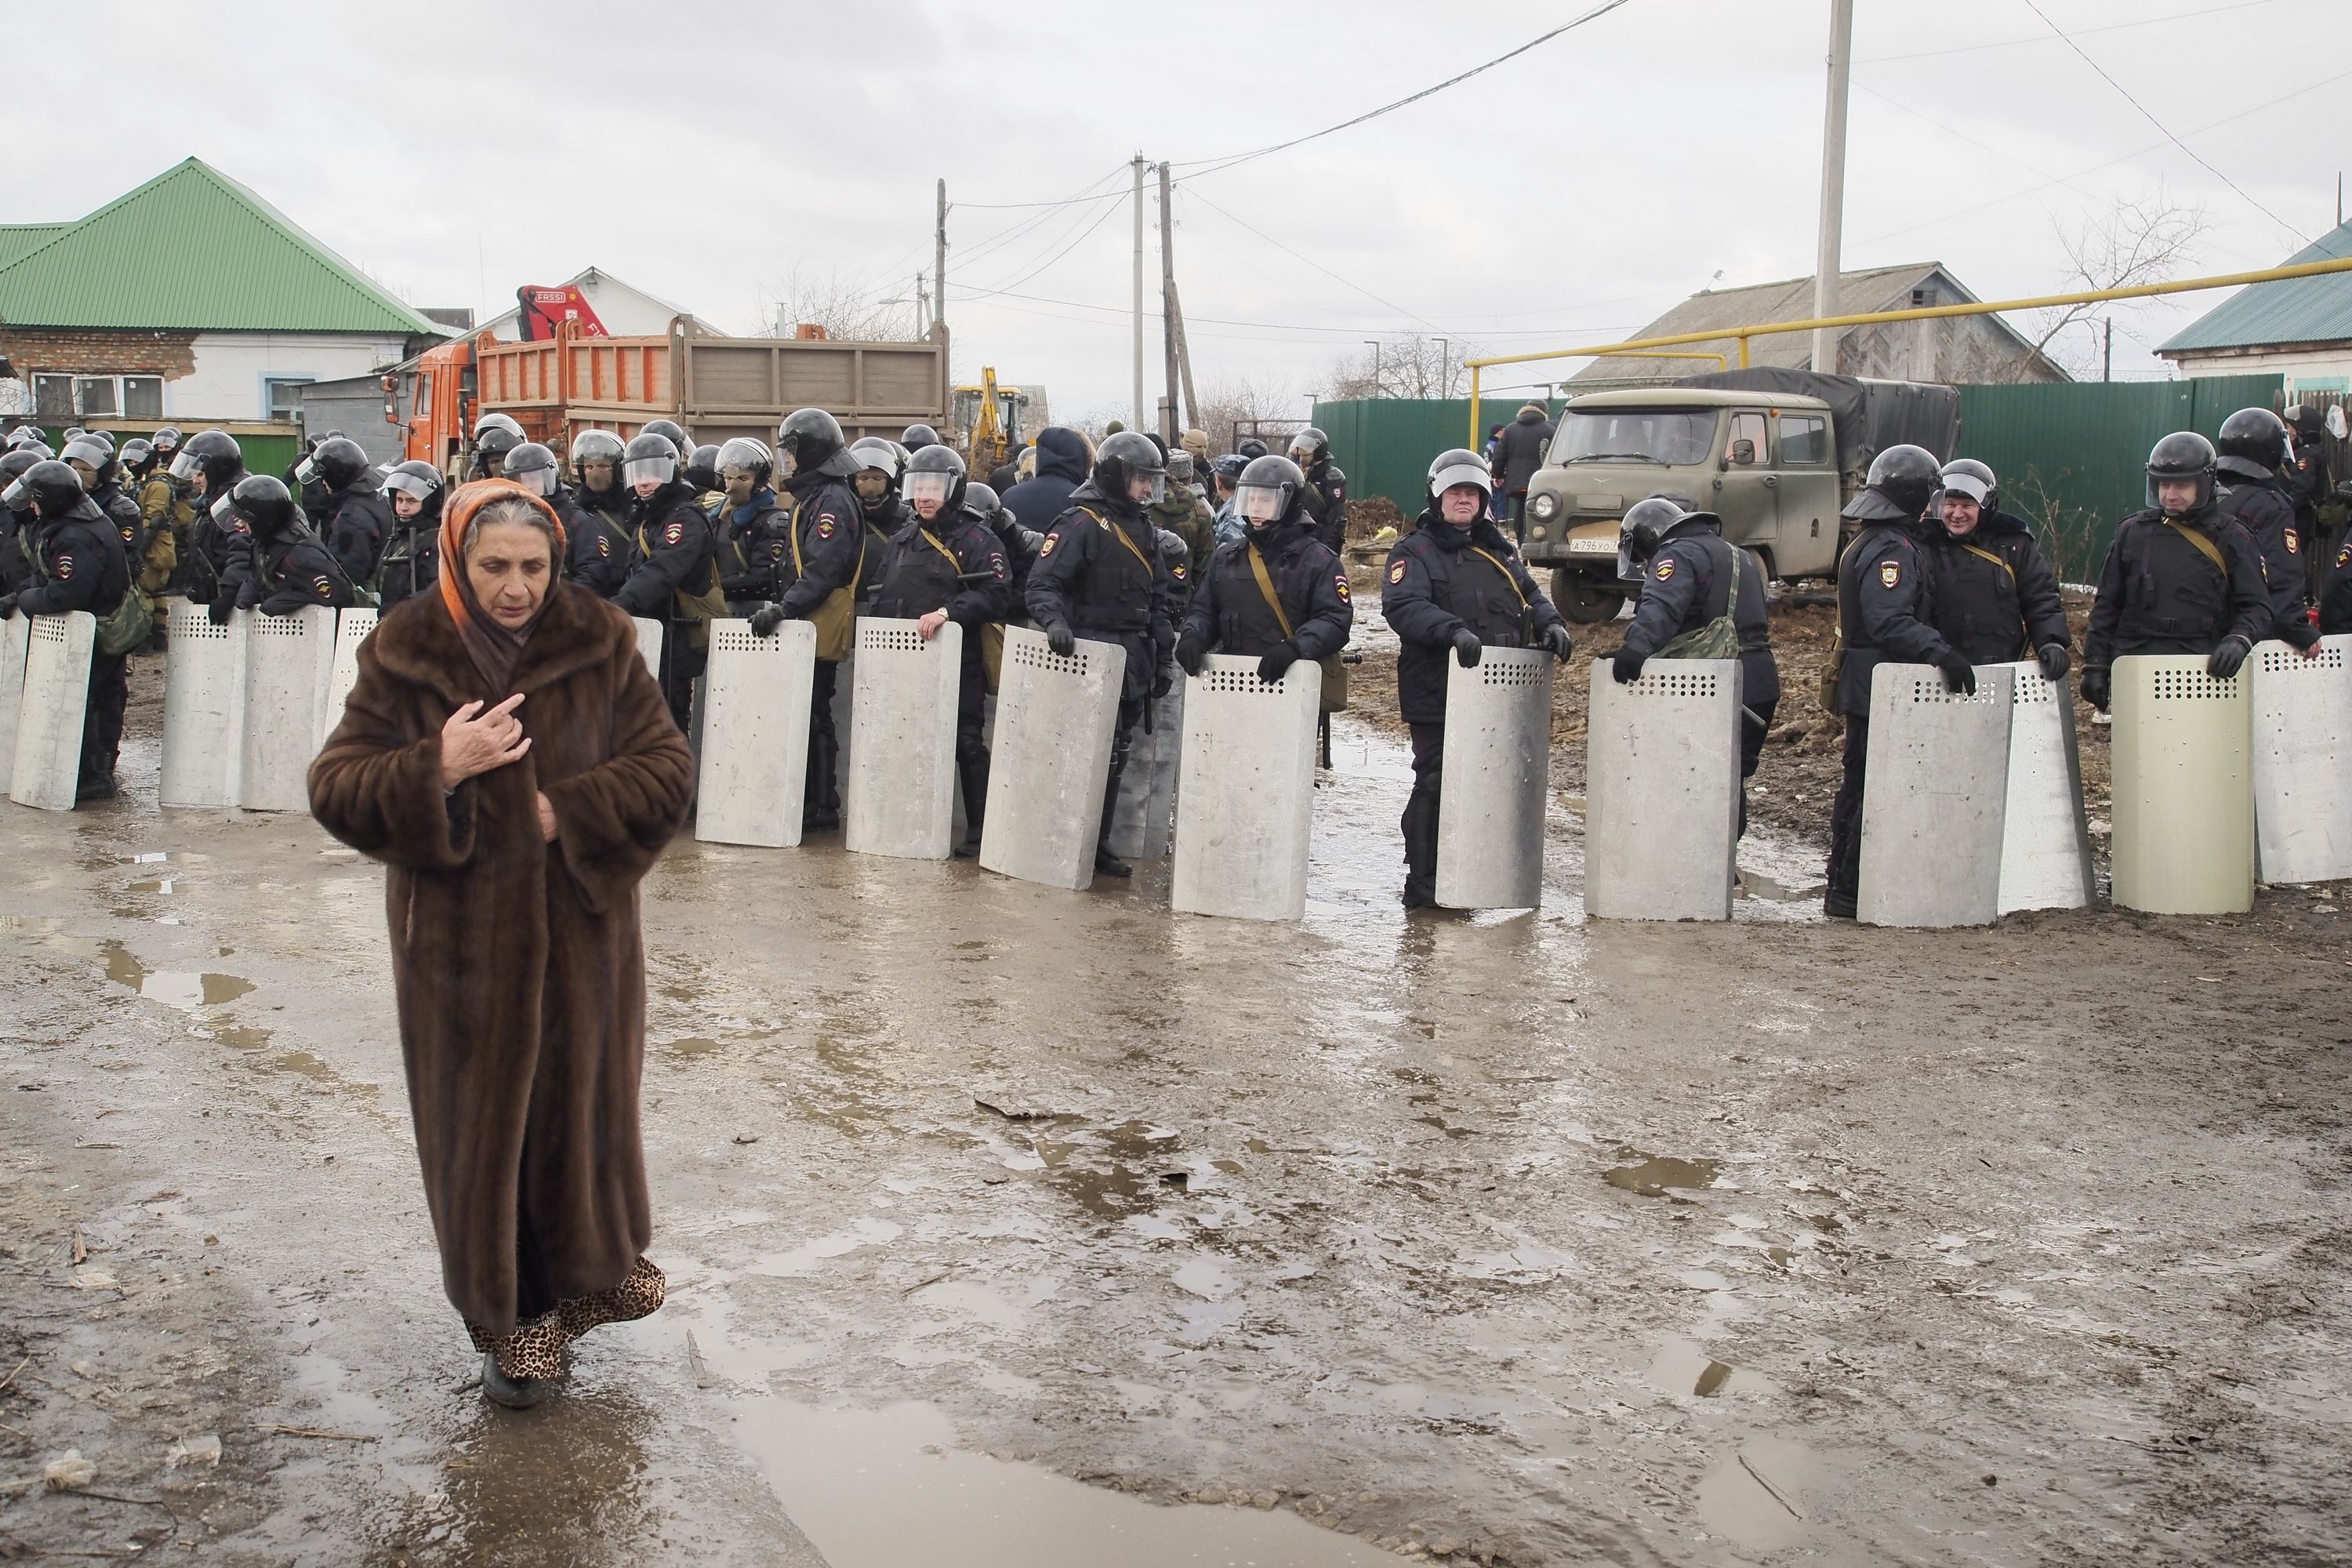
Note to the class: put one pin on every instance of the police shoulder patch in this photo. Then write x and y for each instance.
(2293, 543)
(1051, 541)
(2344, 555)
(673, 533)
(604, 545)
(825, 528)
(65, 566)
(1340, 581)
(324, 586)
(1890, 573)
(1396, 571)
(1177, 572)
(1666, 572)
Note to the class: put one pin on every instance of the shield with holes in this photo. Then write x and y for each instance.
(1937, 790)
(203, 681)
(755, 730)
(15, 641)
(289, 667)
(1497, 761)
(900, 796)
(1144, 813)
(47, 761)
(2045, 838)
(351, 628)
(1050, 759)
(649, 643)
(1661, 791)
(2183, 804)
(1246, 791)
(2303, 761)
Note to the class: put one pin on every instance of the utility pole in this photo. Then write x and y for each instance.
(2107, 363)
(1444, 371)
(1376, 365)
(1184, 357)
(940, 263)
(1168, 328)
(922, 293)
(1826, 263)
(1139, 165)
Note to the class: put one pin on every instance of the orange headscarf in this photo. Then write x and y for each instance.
(491, 646)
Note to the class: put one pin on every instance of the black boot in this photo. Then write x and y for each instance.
(1420, 827)
(972, 774)
(1105, 863)
(820, 809)
(514, 1393)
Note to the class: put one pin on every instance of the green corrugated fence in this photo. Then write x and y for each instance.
(1384, 445)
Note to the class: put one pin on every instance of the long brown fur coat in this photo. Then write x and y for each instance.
(516, 962)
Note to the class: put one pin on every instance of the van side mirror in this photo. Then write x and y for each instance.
(1743, 451)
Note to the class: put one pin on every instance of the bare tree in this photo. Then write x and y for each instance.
(1407, 364)
(1233, 408)
(2147, 239)
(840, 306)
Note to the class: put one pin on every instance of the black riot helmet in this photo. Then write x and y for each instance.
(749, 456)
(649, 455)
(137, 455)
(873, 455)
(934, 473)
(1250, 447)
(1982, 473)
(338, 461)
(702, 467)
(267, 508)
(167, 441)
(597, 447)
(915, 438)
(1309, 446)
(1458, 465)
(422, 481)
(91, 455)
(671, 429)
(810, 441)
(493, 442)
(1903, 479)
(25, 434)
(532, 466)
(2183, 455)
(505, 423)
(1641, 530)
(1124, 456)
(1271, 491)
(50, 487)
(215, 454)
(2252, 444)
(981, 501)
(12, 468)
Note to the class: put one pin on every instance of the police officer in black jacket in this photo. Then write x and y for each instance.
(211, 464)
(2252, 446)
(17, 523)
(1020, 544)
(948, 565)
(91, 457)
(1687, 571)
(1886, 595)
(1454, 585)
(1099, 576)
(354, 518)
(1996, 598)
(755, 529)
(675, 576)
(2181, 577)
(598, 552)
(2336, 592)
(77, 564)
(495, 435)
(279, 565)
(1278, 595)
(1327, 488)
(826, 555)
(412, 560)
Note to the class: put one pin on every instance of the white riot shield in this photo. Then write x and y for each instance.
(1142, 815)
(15, 641)
(46, 763)
(2045, 839)
(1497, 762)
(755, 741)
(2302, 761)
(901, 795)
(289, 664)
(1938, 791)
(650, 645)
(1246, 802)
(351, 628)
(204, 682)
(1052, 754)
(1661, 791)
(2183, 804)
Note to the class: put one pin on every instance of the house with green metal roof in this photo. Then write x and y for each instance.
(190, 300)
(2300, 328)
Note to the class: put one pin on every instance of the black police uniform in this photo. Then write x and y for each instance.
(2336, 592)
(1021, 546)
(15, 546)
(2160, 593)
(955, 563)
(676, 560)
(1996, 598)
(828, 550)
(1327, 504)
(598, 552)
(1230, 614)
(1100, 574)
(1687, 585)
(279, 576)
(412, 560)
(1442, 580)
(758, 538)
(2266, 509)
(124, 512)
(884, 521)
(358, 523)
(1886, 595)
(78, 564)
(214, 541)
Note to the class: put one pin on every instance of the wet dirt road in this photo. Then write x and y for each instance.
(996, 1218)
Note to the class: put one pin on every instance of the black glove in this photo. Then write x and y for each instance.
(1466, 647)
(765, 620)
(1959, 675)
(7, 606)
(248, 597)
(1626, 667)
(2098, 686)
(219, 612)
(1278, 661)
(1166, 682)
(1192, 653)
(2298, 633)
(1557, 639)
(2052, 658)
(1059, 637)
(2225, 659)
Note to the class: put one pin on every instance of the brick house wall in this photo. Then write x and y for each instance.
(80, 352)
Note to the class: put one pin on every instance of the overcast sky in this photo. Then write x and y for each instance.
(706, 151)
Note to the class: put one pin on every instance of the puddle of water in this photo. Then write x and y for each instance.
(177, 988)
(1654, 1175)
(692, 1046)
(810, 1255)
(884, 1488)
(1761, 1495)
(1683, 1367)
(153, 885)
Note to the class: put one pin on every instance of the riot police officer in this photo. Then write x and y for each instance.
(141, 477)
(1020, 544)
(1701, 597)
(279, 565)
(1181, 512)
(2253, 446)
(710, 490)
(880, 468)
(1099, 576)
(675, 577)
(598, 552)
(2336, 592)
(672, 429)
(1327, 488)
(495, 435)
(352, 516)
(17, 522)
(412, 558)
(2181, 577)
(211, 464)
(93, 461)
(915, 438)
(948, 565)
(755, 529)
(164, 502)
(78, 564)
(1452, 585)
(532, 466)
(1277, 595)
(817, 580)
(1887, 593)
(1996, 598)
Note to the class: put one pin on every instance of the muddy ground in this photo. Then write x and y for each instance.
(1000, 1222)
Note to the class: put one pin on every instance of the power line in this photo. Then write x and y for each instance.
(1319, 267)
(2152, 120)
(2079, 32)
(1110, 208)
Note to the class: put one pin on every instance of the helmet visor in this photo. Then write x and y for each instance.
(928, 486)
(538, 482)
(307, 470)
(1146, 487)
(1461, 474)
(661, 470)
(184, 465)
(408, 484)
(17, 497)
(1260, 504)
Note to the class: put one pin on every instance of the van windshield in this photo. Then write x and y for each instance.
(1670, 435)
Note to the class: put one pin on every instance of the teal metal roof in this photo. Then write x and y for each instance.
(191, 250)
(2291, 311)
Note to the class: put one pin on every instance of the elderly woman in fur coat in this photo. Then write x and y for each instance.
(507, 756)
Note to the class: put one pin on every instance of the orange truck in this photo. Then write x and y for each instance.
(718, 387)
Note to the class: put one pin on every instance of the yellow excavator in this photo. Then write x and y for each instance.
(996, 420)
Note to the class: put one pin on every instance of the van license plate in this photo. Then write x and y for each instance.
(1592, 547)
